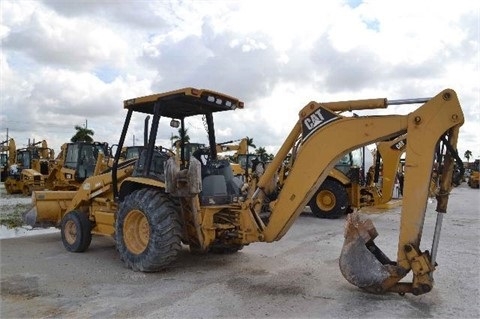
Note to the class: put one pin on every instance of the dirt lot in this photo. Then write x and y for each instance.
(297, 277)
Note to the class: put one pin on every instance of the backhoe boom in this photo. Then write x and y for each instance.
(327, 136)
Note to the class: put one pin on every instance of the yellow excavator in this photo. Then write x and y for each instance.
(153, 205)
(28, 167)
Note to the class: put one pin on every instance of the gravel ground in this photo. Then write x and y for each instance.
(297, 277)
(12, 208)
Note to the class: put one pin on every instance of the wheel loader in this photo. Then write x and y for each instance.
(28, 167)
(155, 206)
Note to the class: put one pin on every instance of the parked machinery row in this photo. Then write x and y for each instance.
(35, 167)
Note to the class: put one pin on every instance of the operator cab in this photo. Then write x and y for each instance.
(177, 106)
(32, 158)
(82, 157)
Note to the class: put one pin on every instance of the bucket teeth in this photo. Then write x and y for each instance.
(361, 262)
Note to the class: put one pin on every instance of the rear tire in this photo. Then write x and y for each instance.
(148, 230)
(76, 231)
(330, 201)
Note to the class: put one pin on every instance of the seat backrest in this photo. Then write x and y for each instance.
(214, 185)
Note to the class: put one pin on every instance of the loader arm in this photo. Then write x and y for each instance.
(326, 137)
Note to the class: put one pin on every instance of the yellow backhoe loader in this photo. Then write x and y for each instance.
(241, 149)
(7, 151)
(345, 188)
(152, 205)
(76, 162)
(473, 177)
(28, 167)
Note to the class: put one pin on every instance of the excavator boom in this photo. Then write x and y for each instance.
(326, 137)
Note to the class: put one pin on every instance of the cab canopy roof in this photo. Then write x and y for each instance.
(184, 102)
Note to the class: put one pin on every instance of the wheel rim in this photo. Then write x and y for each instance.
(326, 200)
(70, 230)
(136, 231)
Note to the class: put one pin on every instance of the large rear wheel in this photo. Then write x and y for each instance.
(76, 232)
(148, 230)
(330, 201)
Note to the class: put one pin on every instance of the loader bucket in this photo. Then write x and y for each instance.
(48, 208)
(30, 216)
(361, 262)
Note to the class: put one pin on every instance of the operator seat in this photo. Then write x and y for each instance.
(218, 185)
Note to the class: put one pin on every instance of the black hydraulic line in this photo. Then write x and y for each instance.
(119, 152)
(455, 155)
(182, 143)
(377, 167)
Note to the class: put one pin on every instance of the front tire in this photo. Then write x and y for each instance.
(76, 231)
(330, 201)
(148, 230)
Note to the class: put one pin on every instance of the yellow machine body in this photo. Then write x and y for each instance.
(154, 204)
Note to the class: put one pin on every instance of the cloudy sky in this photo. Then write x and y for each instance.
(72, 62)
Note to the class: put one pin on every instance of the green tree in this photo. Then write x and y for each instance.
(83, 134)
(262, 153)
(467, 155)
(250, 144)
(175, 138)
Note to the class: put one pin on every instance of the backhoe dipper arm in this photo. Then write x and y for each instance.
(327, 136)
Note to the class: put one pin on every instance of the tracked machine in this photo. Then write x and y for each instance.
(153, 205)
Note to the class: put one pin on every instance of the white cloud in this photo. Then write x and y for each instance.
(65, 62)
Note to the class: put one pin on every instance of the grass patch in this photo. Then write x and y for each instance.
(14, 218)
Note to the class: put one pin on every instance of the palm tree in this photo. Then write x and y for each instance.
(175, 138)
(261, 152)
(467, 155)
(83, 134)
(250, 143)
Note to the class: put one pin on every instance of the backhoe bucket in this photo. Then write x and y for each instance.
(361, 262)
